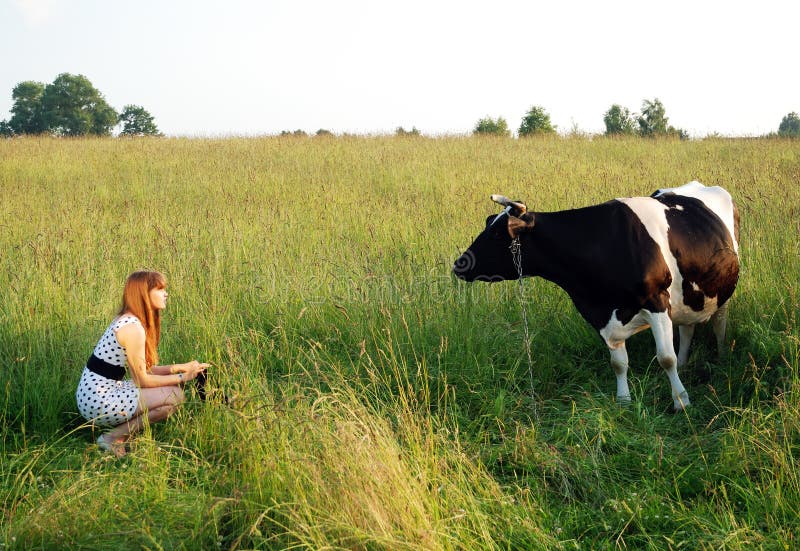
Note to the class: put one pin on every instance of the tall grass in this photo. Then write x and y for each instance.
(360, 397)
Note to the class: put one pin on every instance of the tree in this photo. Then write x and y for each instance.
(136, 121)
(489, 126)
(653, 120)
(619, 121)
(400, 131)
(26, 113)
(790, 126)
(536, 121)
(73, 107)
(297, 133)
(5, 129)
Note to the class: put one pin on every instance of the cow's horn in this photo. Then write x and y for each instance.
(502, 199)
(508, 203)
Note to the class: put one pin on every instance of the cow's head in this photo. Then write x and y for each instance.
(489, 257)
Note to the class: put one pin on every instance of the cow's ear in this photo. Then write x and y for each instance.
(518, 208)
(520, 224)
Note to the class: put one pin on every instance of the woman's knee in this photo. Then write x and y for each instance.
(176, 396)
(161, 413)
(151, 398)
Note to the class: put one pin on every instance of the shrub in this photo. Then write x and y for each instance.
(790, 126)
(536, 121)
(489, 126)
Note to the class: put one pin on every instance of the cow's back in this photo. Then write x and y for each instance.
(717, 199)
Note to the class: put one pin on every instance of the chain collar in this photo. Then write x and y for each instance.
(516, 253)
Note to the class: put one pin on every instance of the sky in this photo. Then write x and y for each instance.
(242, 68)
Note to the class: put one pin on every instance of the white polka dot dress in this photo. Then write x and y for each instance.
(106, 401)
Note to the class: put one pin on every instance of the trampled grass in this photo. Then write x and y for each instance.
(373, 402)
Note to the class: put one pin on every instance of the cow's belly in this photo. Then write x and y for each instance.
(615, 333)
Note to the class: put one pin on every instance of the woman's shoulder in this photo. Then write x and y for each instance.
(124, 319)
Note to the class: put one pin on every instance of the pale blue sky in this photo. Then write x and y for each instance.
(250, 68)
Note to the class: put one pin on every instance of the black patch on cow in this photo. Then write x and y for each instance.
(703, 248)
(602, 256)
(616, 265)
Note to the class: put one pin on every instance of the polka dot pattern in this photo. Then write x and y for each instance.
(106, 402)
(108, 349)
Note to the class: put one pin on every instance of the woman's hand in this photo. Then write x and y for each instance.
(190, 369)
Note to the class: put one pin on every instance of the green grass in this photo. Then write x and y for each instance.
(375, 402)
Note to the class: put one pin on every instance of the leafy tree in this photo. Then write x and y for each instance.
(653, 120)
(136, 121)
(619, 121)
(297, 133)
(536, 121)
(323, 132)
(489, 126)
(790, 126)
(403, 132)
(5, 129)
(26, 113)
(73, 107)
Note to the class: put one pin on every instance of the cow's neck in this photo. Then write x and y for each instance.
(558, 249)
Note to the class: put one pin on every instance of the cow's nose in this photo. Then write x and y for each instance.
(464, 264)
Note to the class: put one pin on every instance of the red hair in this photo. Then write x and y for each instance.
(136, 301)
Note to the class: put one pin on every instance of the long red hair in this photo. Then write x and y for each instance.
(136, 301)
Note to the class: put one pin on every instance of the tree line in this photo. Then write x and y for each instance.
(71, 106)
(619, 121)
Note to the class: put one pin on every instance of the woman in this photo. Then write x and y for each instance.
(153, 392)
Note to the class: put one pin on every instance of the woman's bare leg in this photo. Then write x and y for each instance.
(155, 404)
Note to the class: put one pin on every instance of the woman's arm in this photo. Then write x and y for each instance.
(185, 368)
(132, 338)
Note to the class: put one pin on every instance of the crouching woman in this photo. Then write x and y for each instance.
(105, 396)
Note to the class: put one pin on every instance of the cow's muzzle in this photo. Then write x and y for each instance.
(464, 265)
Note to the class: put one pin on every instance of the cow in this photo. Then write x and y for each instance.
(628, 265)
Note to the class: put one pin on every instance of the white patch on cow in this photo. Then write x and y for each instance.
(615, 333)
(695, 286)
(678, 207)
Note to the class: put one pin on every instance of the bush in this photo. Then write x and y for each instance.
(536, 121)
(790, 126)
(619, 121)
(489, 126)
(403, 132)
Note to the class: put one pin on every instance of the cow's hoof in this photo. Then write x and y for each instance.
(681, 402)
(624, 400)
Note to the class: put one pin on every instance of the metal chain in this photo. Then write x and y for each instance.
(516, 252)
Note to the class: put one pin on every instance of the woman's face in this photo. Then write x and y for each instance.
(158, 298)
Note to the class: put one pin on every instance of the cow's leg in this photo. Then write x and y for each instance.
(619, 361)
(686, 332)
(719, 322)
(661, 325)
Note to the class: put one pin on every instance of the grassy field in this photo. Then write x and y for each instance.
(361, 398)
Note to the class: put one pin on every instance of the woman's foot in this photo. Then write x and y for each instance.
(116, 447)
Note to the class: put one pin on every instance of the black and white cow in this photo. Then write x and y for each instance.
(628, 265)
